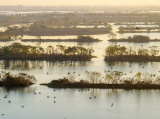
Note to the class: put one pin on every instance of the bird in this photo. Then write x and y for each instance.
(47, 96)
(22, 106)
(9, 101)
(54, 101)
(90, 98)
(112, 105)
(94, 97)
(5, 96)
(54, 97)
(2, 114)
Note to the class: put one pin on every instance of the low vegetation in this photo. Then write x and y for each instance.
(135, 38)
(113, 79)
(13, 33)
(80, 38)
(16, 80)
(13, 20)
(132, 28)
(17, 51)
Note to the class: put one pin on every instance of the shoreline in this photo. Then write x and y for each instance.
(58, 40)
(133, 58)
(103, 86)
(122, 32)
(136, 41)
(55, 58)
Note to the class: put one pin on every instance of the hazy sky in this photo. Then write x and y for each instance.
(79, 2)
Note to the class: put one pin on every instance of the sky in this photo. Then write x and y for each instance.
(79, 2)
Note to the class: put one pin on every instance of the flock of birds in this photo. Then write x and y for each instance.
(35, 93)
(59, 65)
(5, 97)
(39, 93)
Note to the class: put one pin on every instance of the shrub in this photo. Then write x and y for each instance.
(21, 79)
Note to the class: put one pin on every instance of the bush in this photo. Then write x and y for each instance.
(22, 80)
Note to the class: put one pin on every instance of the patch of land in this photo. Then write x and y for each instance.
(135, 38)
(132, 58)
(19, 80)
(65, 31)
(17, 51)
(67, 84)
(78, 39)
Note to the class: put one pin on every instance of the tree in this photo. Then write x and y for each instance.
(108, 77)
(121, 28)
(138, 75)
(154, 50)
(112, 35)
(94, 76)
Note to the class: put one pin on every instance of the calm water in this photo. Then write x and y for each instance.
(75, 104)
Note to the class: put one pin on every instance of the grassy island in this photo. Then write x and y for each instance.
(136, 38)
(131, 29)
(17, 51)
(122, 53)
(111, 80)
(16, 80)
(79, 38)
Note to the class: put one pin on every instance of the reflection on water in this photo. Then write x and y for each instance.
(77, 103)
(20, 90)
(99, 47)
(88, 104)
(46, 71)
(30, 65)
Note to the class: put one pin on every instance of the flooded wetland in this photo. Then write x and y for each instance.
(61, 63)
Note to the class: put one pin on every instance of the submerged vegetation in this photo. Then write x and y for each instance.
(135, 38)
(122, 53)
(17, 51)
(16, 80)
(113, 79)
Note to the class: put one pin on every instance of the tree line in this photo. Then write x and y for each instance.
(118, 50)
(60, 52)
